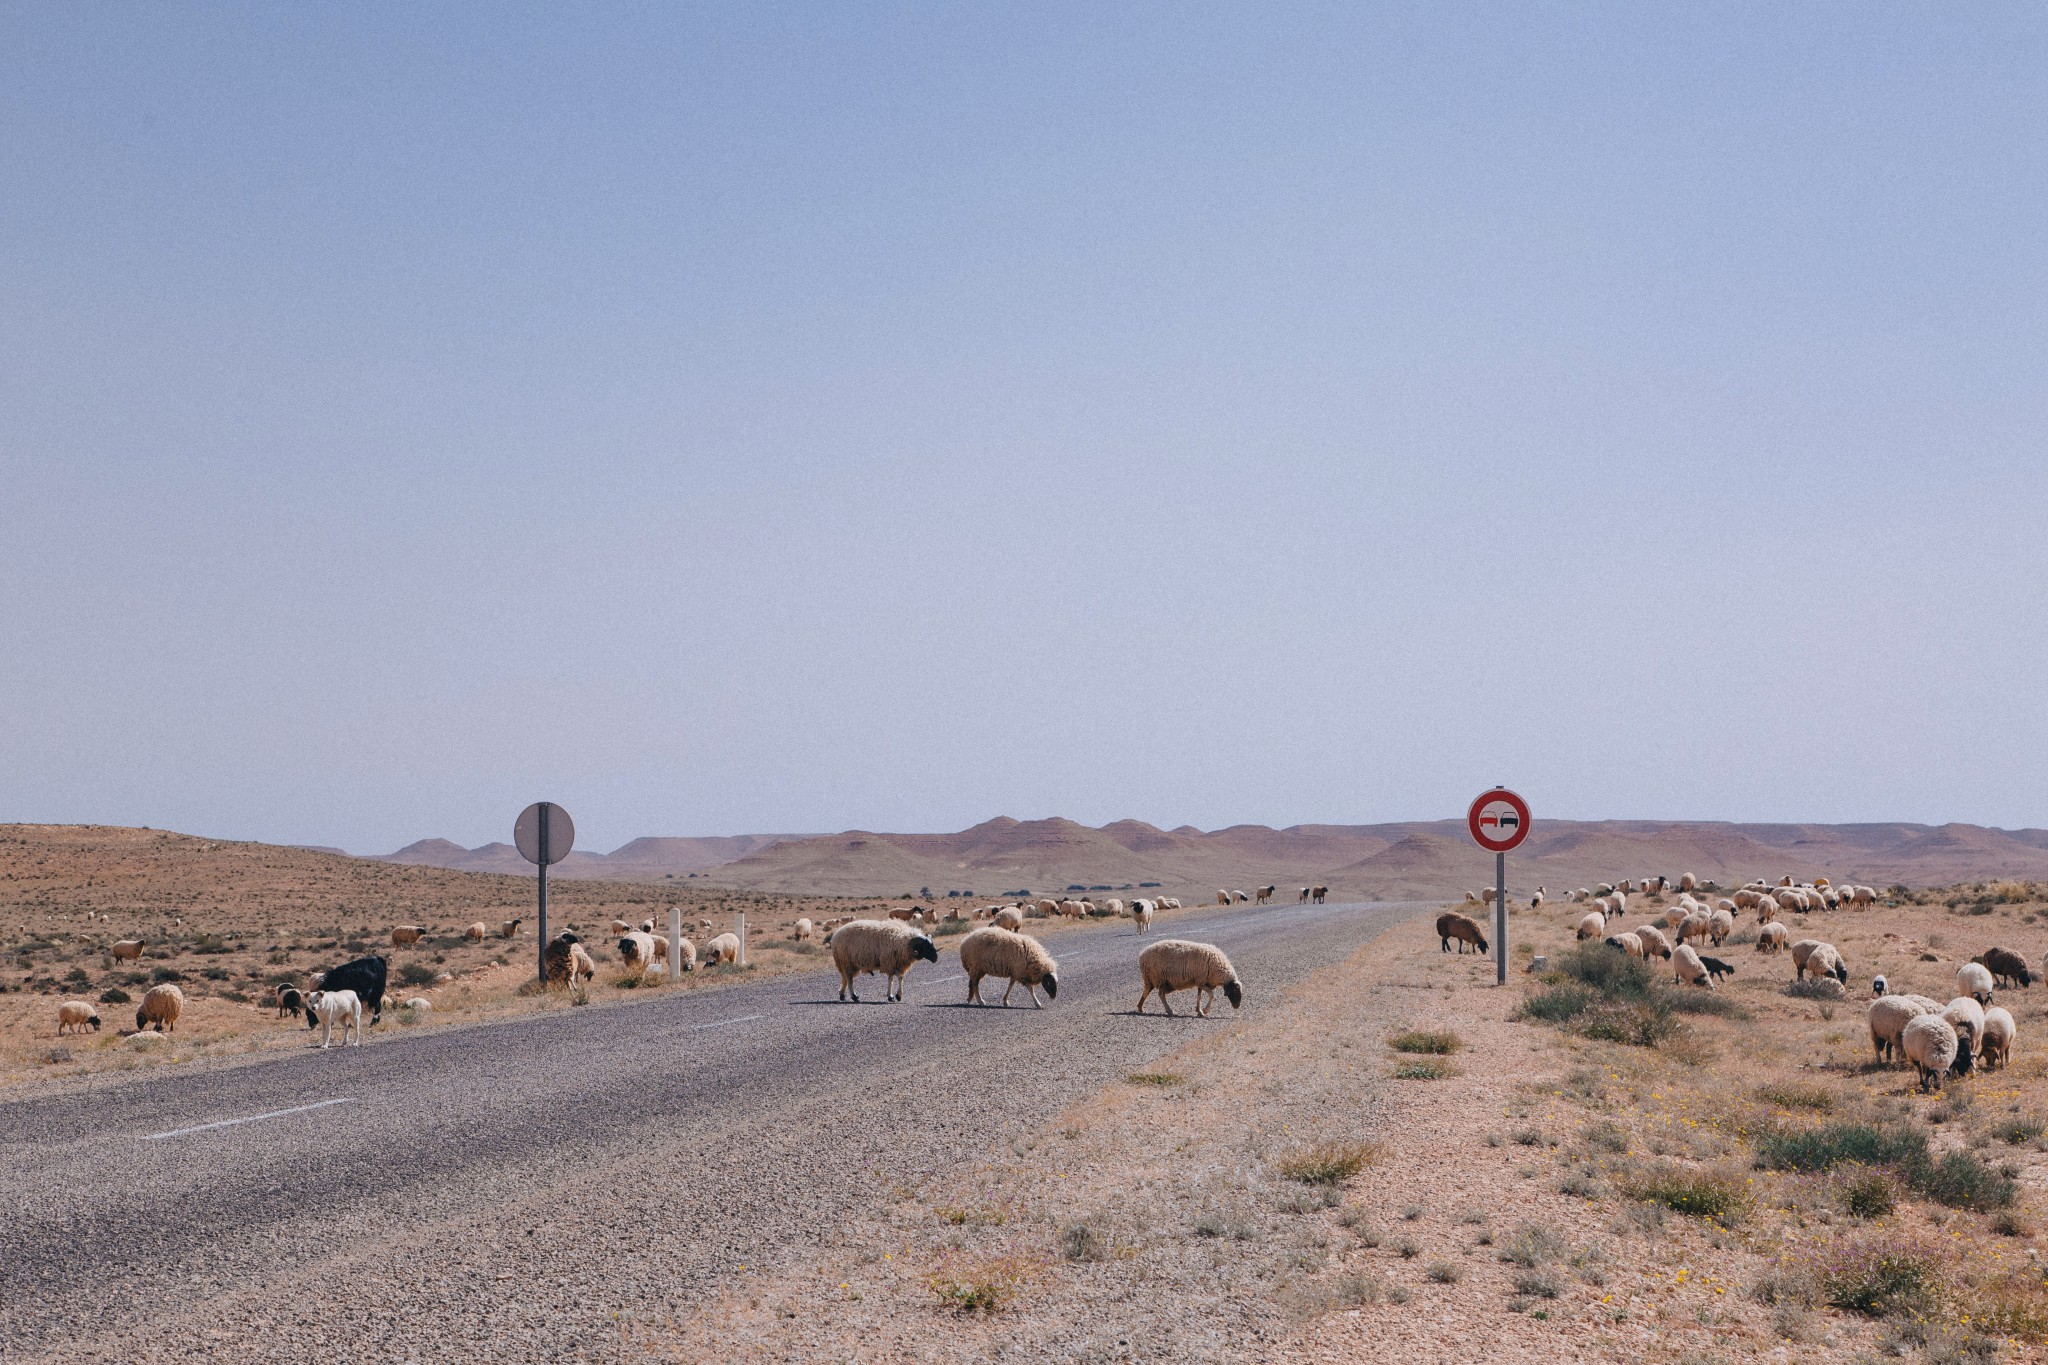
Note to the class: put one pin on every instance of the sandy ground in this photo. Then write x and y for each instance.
(1153, 1222)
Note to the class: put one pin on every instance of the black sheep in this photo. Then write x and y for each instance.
(364, 976)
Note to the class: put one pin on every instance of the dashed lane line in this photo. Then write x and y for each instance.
(250, 1118)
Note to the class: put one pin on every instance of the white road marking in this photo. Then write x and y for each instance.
(944, 980)
(253, 1118)
(721, 1023)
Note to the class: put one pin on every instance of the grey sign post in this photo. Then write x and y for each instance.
(1499, 821)
(544, 834)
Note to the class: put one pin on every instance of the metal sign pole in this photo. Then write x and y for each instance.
(1500, 919)
(544, 851)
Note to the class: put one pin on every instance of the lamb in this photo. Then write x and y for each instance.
(1141, 911)
(1930, 1044)
(1770, 938)
(160, 1009)
(802, 932)
(1974, 980)
(1716, 968)
(327, 1008)
(1593, 925)
(1812, 957)
(127, 950)
(288, 998)
(882, 947)
(1688, 969)
(1720, 924)
(1653, 941)
(475, 932)
(74, 1015)
(1889, 1015)
(724, 950)
(1627, 943)
(1452, 925)
(1175, 964)
(2006, 966)
(1966, 1017)
(405, 935)
(509, 929)
(1996, 1043)
(365, 976)
(1019, 958)
(1009, 918)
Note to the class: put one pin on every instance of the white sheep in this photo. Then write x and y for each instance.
(883, 947)
(1720, 924)
(74, 1015)
(1693, 926)
(1175, 964)
(724, 950)
(1889, 1015)
(1593, 925)
(1930, 1044)
(1628, 943)
(1676, 916)
(1688, 882)
(1811, 957)
(1653, 941)
(803, 931)
(1688, 969)
(127, 950)
(1767, 909)
(640, 950)
(1966, 1017)
(420, 1007)
(1770, 938)
(1114, 906)
(1019, 958)
(1974, 979)
(1141, 911)
(160, 1009)
(332, 1007)
(1996, 1044)
(1009, 917)
(475, 932)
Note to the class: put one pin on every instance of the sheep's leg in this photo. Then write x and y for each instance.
(1145, 995)
(974, 988)
(1032, 991)
(1011, 985)
(1164, 1003)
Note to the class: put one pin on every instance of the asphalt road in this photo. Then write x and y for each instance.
(520, 1190)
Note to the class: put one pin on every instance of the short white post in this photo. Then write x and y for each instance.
(675, 943)
(743, 938)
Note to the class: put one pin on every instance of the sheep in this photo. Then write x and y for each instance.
(127, 950)
(1720, 924)
(74, 1015)
(288, 998)
(1676, 916)
(1452, 925)
(405, 935)
(160, 1009)
(1175, 964)
(1019, 958)
(509, 929)
(1746, 899)
(1317, 893)
(1693, 926)
(1878, 984)
(1966, 1017)
(1974, 979)
(802, 932)
(1688, 969)
(1239, 897)
(1266, 893)
(1594, 925)
(1811, 956)
(619, 926)
(1653, 940)
(704, 926)
(420, 1006)
(1889, 1014)
(1770, 938)
(1009, 918)
(1627, 943)
(1141, 911)
(327, 1008)
(1716, 968)
(567, 961)
(2006, 966)
(365, 976)
(1536, 901)
(1767, 909)
(1688, 882)
(1930, 1044)
(640, 950)
(1996, 1043)
(1303, 900)
(1222, 896)
(1073, 909)
(647, 925)
(883, 947)
(475, 932)
(725, 949)
(1866, 895)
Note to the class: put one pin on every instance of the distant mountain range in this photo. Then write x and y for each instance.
(1421, 859)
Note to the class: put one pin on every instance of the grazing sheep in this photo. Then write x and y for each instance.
(1536, 901)
(2006, 967)
(1866, 895)
(1974, 979)
(1628, 943)
(1676, 916)
(1688, 882)
(1452, 925)
(1812, 957)
(1930, 1044)
(1767, 909)
(1593, 925)
(1716, 968)
(1653, 941)
(74, 1015)
(475, 932)
(567, 961)
(1996, 1044)
(1720, 925)
(1688, 969)
(724, 950)
(1222, 897)
(647, 925)
(1966, 1017)
(802, 932)
(160, 1009)
(882, 947)
(419, 1005)
(1175, 964)
(1770, 938)
(405, 935)
(288, 997)
(1889, 1015)
(1240, 897)
(1266, 893)
(509, 929)
(1692, 926)
(1073, 909)
(328, 1008)
(127, 950)
(1746, 899)
(1009, 917)
(1019, 958)
(365, 976)
(1141, 911)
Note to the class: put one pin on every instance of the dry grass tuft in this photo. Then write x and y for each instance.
(1434, 1042)
(982, 1284)
(1330, 1163)
(1424, 1069)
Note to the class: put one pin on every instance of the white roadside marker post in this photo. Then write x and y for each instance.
(675, 944)
(743, 938)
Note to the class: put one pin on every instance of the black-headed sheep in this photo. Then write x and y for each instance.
(2006, 966)
(160, 1009)
(1974, 980)
(1996, 1045)
(1175, 964)
(1019, 958)
(883, 947)
(74, 1015)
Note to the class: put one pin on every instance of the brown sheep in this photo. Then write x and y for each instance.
(1452, 925)
(160, 1009)
(127, 950)
(405, 935)
(2006, 966)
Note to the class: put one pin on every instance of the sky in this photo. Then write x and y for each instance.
(790, 418)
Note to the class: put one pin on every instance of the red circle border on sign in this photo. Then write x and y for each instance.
(1495, 845)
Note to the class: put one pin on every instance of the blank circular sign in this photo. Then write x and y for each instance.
(1499, 820)
(561, 833)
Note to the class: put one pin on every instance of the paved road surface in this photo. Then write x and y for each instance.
(515, 1191)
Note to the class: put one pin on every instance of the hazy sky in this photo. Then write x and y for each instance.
(797, 418)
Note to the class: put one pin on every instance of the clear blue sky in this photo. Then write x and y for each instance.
(794, 418)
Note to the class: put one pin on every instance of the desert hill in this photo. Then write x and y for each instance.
(641, 860)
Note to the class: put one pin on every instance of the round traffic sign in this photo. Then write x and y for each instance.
(561, 833)
(1499, 820)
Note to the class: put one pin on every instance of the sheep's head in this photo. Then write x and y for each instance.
(95, 1021)
(1840, 972)
(922, 947)
(141, 1019)
(1233, 992)
(1051, 984)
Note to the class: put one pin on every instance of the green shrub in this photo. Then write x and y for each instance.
(114, 995)
(1696, 1193)
(1435, 1042)
(1820, 1149)
(1880, 1278)
(1789, 1095)
(415, 974)
(1557, 1004)
(2018, 1130)
(1868, 1193)
(1636, 1023)
(1960, 1180)
(166, 974)
(1424, 1069)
